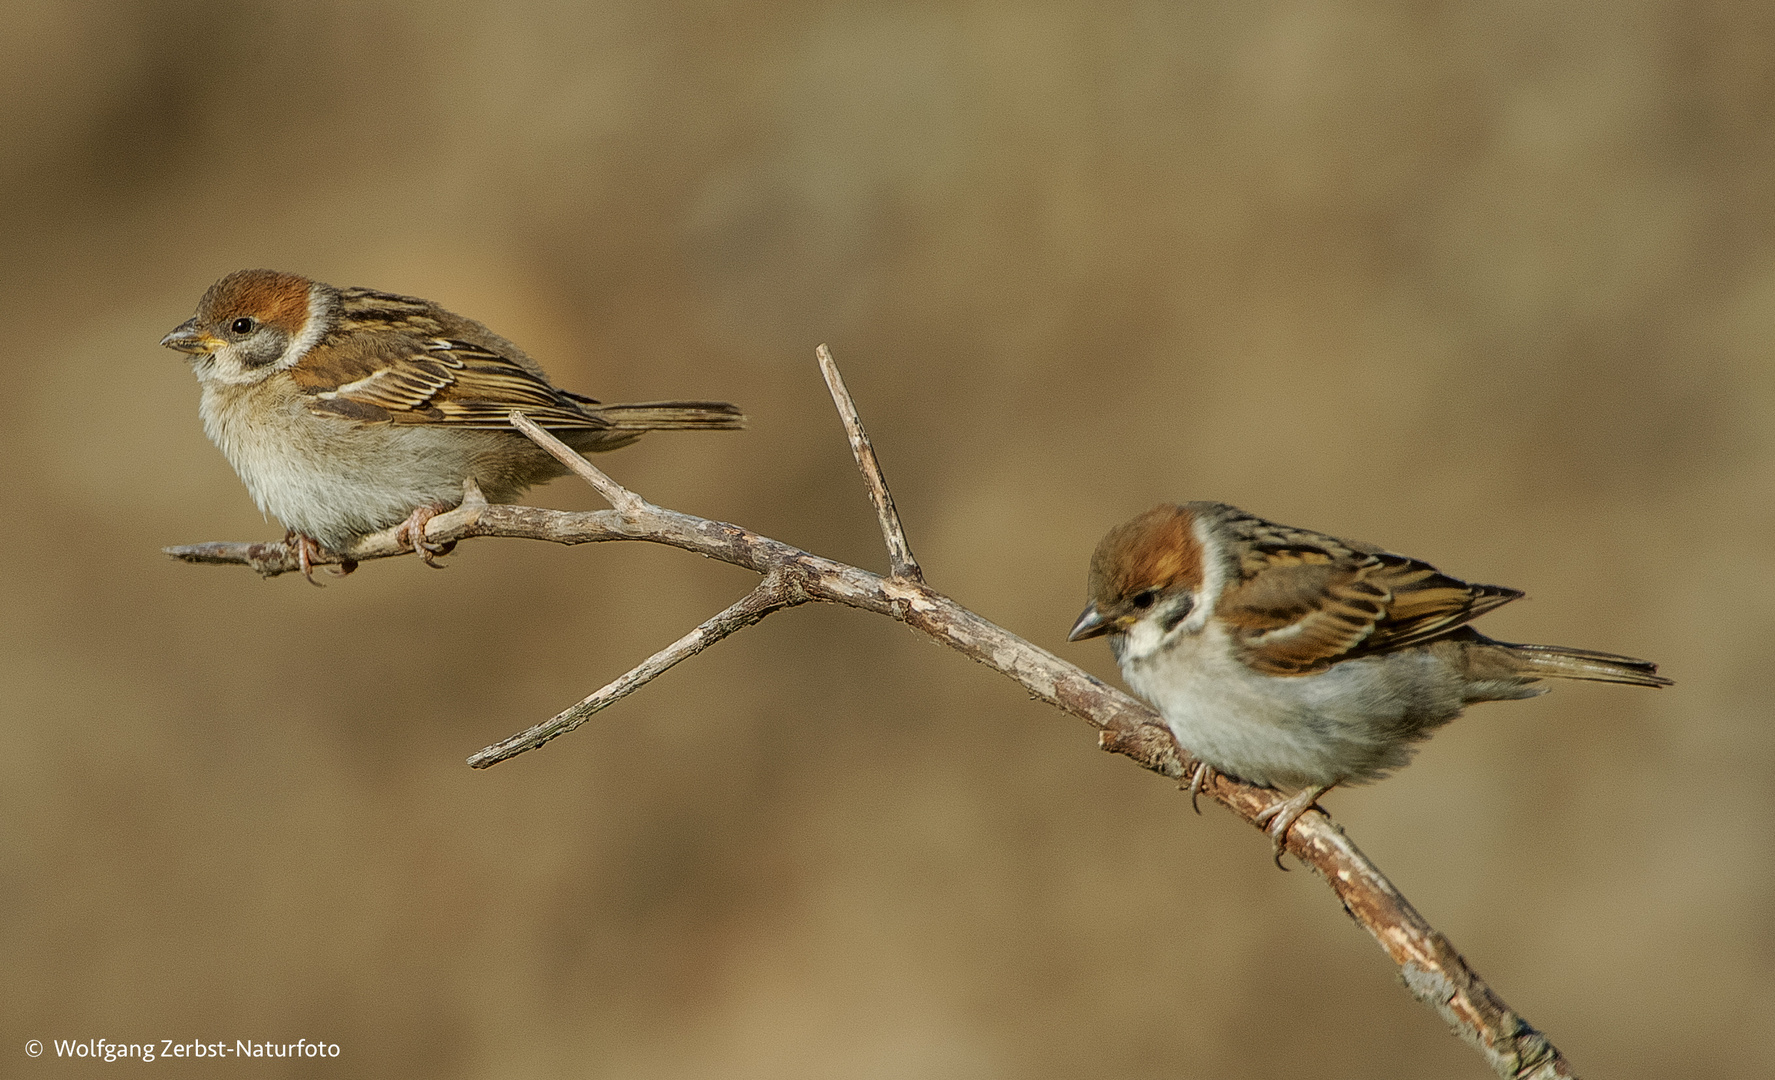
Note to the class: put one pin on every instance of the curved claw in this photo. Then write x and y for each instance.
(1284, 814)
(1203, 771)
(307, 551)
(412, 534)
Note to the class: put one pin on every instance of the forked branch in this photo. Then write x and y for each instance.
(1429, 965)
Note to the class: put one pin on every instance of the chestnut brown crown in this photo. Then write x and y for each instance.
(1137, 564)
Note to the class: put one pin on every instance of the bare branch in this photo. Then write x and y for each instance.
(772, 594)
(901, 564)
(625, 501)
(277, 557)
(1430, 966)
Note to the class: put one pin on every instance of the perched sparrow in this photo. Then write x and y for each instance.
(348, 410)
(1292, 659)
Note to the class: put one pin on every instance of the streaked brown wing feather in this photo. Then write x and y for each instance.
(1306, 601)
(439, 381)
(1427, 604)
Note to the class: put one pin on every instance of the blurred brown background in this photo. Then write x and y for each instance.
(1489, 283)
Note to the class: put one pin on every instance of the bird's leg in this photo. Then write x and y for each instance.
(412, 534)
(1197, 779)
(308, 550)
(1284, 814)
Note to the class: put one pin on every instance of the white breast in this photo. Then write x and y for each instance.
(1355, 721)
(333, 479)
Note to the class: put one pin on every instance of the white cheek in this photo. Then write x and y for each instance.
(1148, 637)
(224, 367)
(1143, 639)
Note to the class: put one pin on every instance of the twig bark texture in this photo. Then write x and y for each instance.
(1429, 965)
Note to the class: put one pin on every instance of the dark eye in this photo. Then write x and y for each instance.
(242, 325)
(1145, 599)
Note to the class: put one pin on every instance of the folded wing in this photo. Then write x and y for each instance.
(1306, 601)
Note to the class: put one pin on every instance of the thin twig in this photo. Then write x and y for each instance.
(271, 558)
(626, 502)
(901, 564)
(1430, 966)
(772, 594)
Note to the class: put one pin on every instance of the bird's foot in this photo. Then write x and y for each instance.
(412, 534)
(1197, 779)
(1282, 816)
(308, 553)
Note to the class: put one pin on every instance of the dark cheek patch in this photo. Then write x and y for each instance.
(1177, 609)
(265, 349)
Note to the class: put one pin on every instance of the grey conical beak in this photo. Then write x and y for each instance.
(187, 338)
(1091, 624)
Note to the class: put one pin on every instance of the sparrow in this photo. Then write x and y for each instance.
(1292, 659)
(346, 411)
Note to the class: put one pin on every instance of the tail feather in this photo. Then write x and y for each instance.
(673, 416)
(1559, 662)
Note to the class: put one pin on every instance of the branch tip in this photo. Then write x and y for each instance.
(900, 559)
(771, 594)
